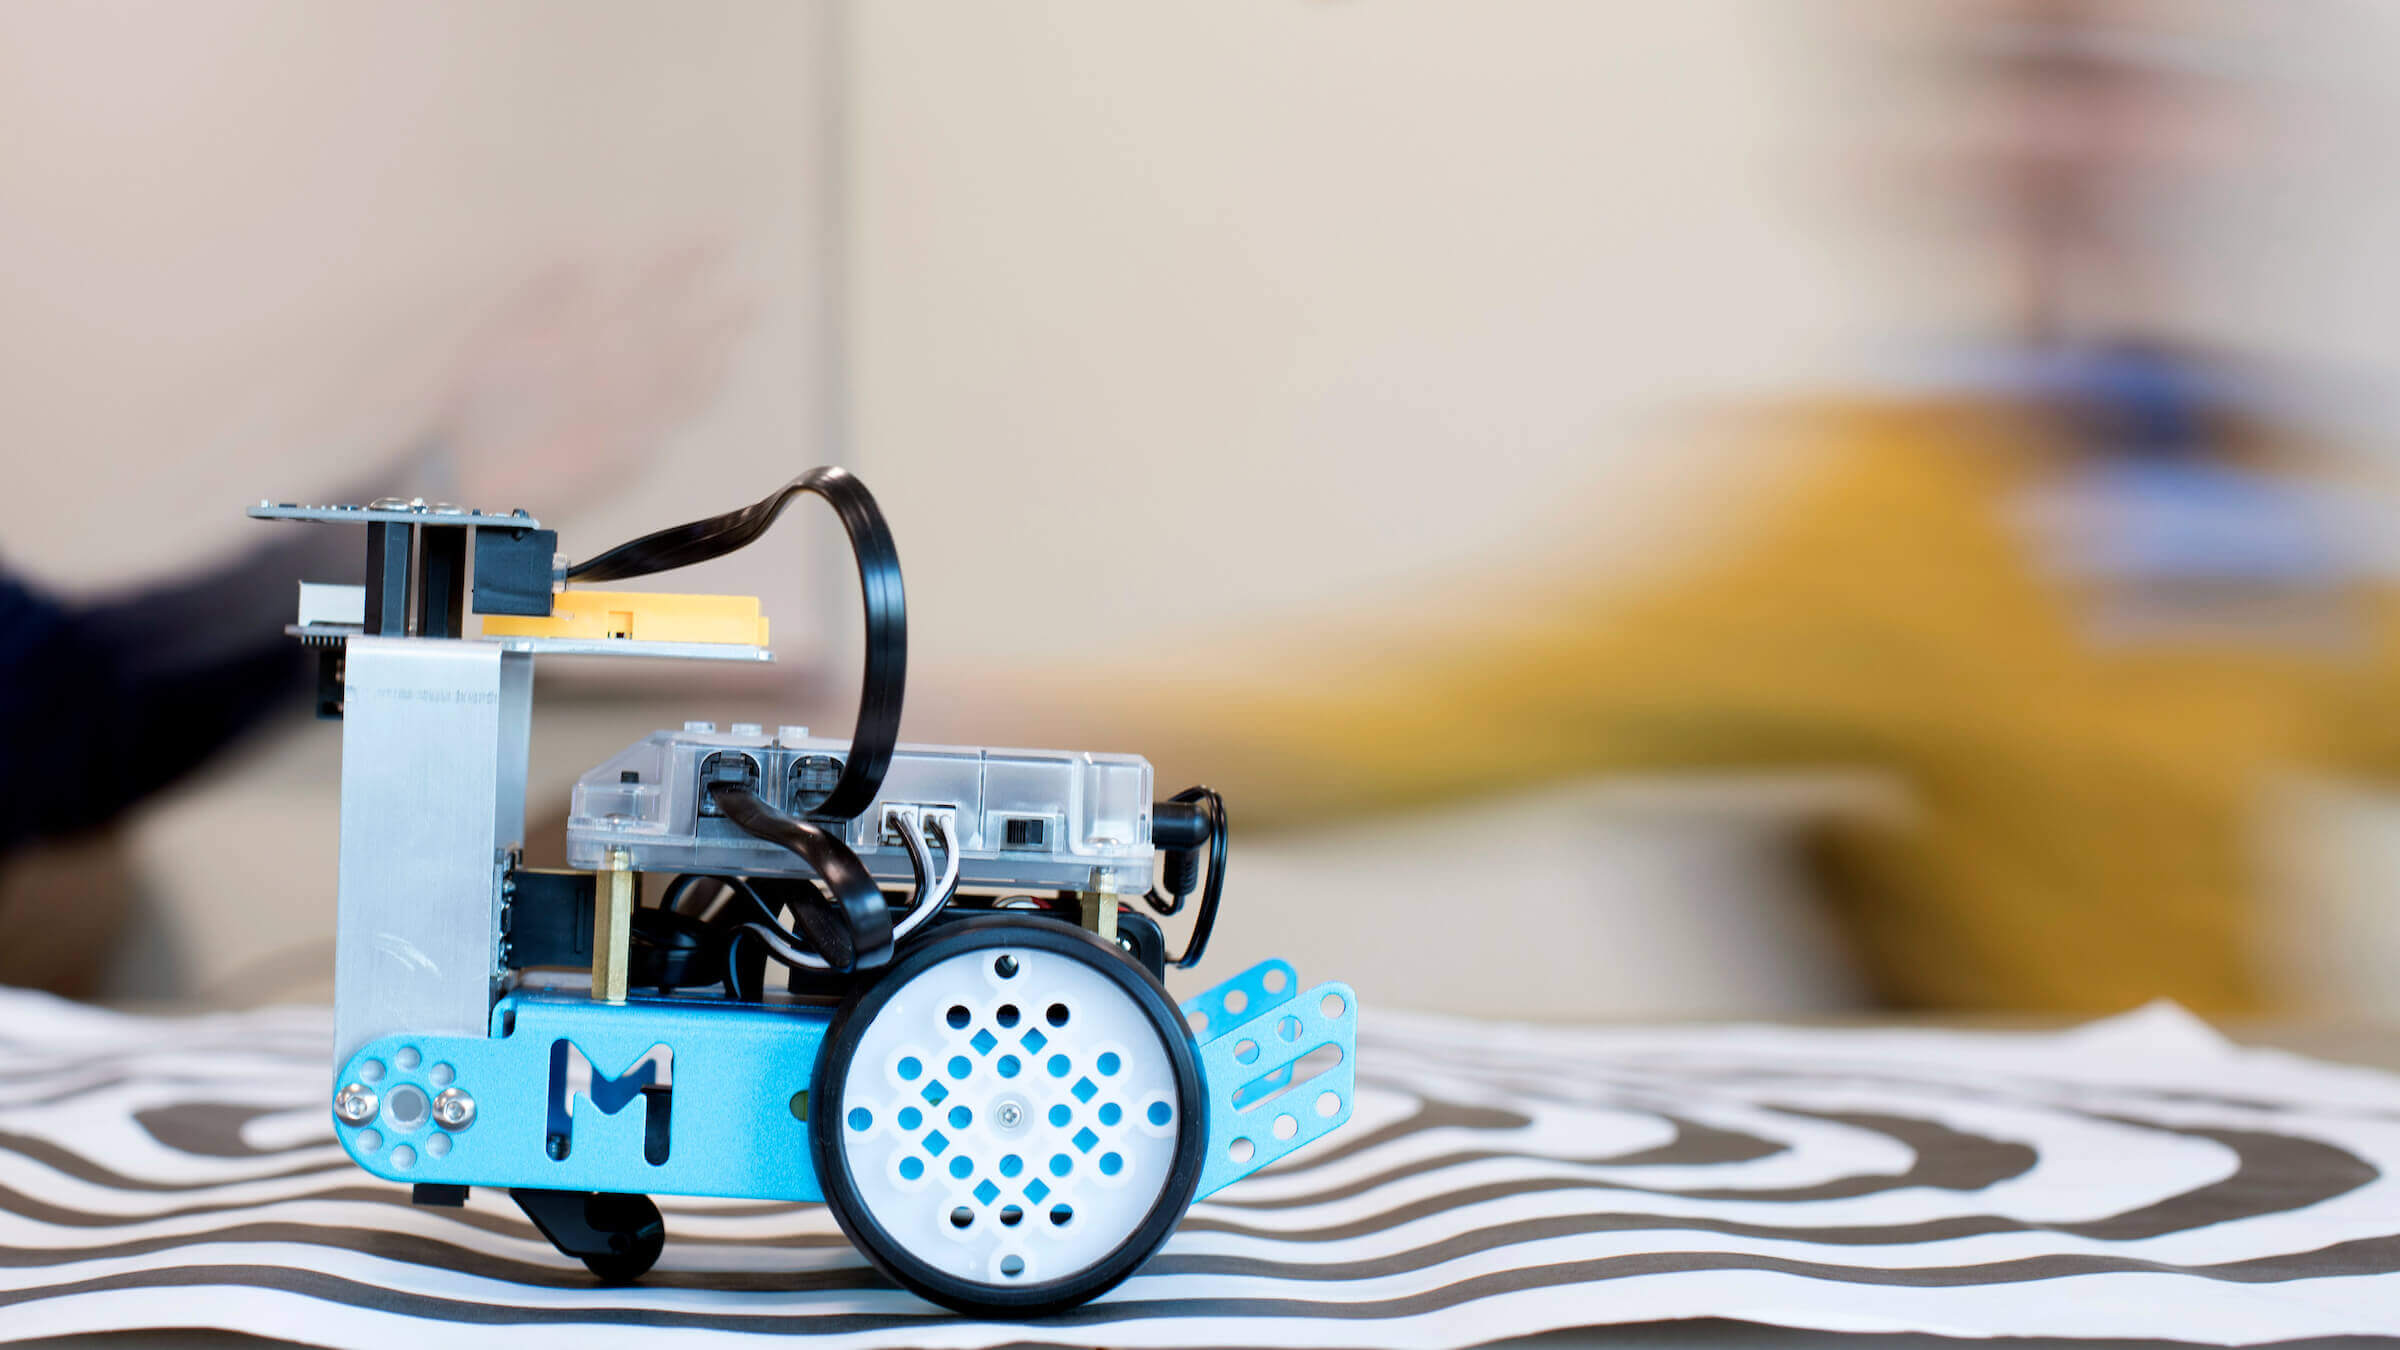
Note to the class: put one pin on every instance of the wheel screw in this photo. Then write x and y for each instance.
(453, 1109)
(1010, 1115)
(355, 1104)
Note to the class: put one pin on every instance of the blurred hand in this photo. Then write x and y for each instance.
(567, 389)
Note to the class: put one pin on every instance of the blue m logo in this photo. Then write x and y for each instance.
(650, 1077)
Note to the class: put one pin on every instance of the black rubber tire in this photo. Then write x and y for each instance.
(981, 1298)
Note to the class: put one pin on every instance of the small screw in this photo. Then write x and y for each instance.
(453, 1109)
(355, 1104)
(1010, 1115)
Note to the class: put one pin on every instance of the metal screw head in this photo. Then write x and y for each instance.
(453, 1109)
(355, 1104)
(1009, 1114)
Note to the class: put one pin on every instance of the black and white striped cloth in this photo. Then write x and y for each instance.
(2137, 1178)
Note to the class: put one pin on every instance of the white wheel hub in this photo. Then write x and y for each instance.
(1010, 1116)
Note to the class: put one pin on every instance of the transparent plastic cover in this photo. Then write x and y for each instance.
(1037, 819)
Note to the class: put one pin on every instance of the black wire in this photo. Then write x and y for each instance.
(769, 915)
(1213, 890)
(884, 598)
(861, 937)
(733, 968)
(768, 911)
(681, 886)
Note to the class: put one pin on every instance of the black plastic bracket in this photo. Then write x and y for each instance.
(437, 1193)
(512, 570)
(329, 683)
(441, 580)
(548, 921)
(1142, 939)
(618, 1237)
(387, 578)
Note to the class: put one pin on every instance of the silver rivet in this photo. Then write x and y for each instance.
(355, 1104)
(453, 1109)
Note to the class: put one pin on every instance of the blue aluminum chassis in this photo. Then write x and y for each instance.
(734, 1127)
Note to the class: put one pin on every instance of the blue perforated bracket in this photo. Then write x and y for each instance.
(651, 1096)
(1256, 1038)
(1237, 1000)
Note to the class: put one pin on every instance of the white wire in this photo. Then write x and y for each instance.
(926, 903)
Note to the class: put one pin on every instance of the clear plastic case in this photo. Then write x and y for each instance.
(1042, 820)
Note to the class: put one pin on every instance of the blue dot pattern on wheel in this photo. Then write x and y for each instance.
(1074, 1090)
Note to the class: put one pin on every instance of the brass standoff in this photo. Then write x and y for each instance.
(612, 928)
(1100, 914)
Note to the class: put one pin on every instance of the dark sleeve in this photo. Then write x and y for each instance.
(105, 702)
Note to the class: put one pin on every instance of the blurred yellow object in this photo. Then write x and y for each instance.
(641, 616)
(2081, 838)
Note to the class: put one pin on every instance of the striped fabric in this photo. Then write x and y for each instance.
(2137, 1178)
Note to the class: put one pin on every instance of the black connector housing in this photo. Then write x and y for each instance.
(512, 570)
(549, 919)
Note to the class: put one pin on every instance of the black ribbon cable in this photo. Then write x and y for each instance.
(862, 939)
(878, 729)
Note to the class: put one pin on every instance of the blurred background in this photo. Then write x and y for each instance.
(1728, 508)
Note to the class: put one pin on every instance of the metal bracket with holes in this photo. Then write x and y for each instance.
(664, 1096)
(1277, 1066)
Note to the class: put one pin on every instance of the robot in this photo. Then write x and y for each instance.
(969, 1056)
